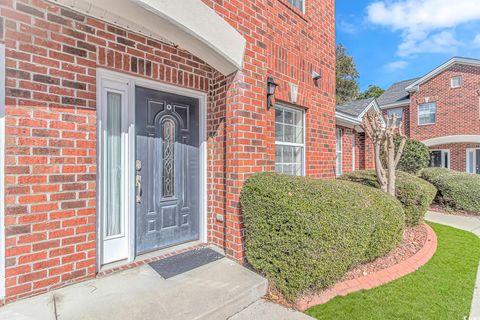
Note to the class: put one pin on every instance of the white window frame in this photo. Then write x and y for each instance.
(301, 9)
(2, 172)
(303, 144)
(460, 82)
(467, 165)
(111, 77)
(391, 111)
(337, 171)
(418, 111)
(444, 151)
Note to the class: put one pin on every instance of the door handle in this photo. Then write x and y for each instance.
(138, 185)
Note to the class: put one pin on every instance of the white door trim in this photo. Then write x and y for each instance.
(467, 162)
(2, 171)
(132, 81)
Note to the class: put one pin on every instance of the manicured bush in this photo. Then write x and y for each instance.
(456, 190)
(304, 234)
(415, 194)
(415, 156)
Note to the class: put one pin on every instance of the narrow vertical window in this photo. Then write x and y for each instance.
(338, 168)
(114, 163)
(168, 158)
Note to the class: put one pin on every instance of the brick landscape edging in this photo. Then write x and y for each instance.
(378, 278)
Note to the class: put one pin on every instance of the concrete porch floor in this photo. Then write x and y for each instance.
(217, 290)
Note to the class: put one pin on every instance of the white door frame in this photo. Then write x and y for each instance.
(2, 172)
(133, 81)
(443, 157)
(467, 162)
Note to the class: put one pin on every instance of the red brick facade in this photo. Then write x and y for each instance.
(458, 111)
(357, 151)
(52, 56)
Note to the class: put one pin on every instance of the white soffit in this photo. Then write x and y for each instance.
(452, 139)
(190, 24)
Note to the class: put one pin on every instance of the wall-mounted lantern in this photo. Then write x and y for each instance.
(271, 87)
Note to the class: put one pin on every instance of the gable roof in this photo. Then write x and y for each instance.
(355, 108)
(455, 60)
(396, 95)
(353, 112)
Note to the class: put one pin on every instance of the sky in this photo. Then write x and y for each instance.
(395, 40)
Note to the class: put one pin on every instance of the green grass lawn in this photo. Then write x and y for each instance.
(441, 289)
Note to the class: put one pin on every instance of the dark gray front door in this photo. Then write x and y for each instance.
(167, 169)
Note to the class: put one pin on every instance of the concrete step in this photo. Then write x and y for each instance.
(217, 290)
(266, 310)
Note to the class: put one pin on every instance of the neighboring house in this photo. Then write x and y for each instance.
(130, 126)
(354, 151)
(442, 109)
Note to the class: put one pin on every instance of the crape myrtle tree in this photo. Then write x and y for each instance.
(383, 135)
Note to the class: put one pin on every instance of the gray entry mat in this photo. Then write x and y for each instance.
(186, 261)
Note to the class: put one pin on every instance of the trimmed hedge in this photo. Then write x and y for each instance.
(415, 194)
(305, 234)
(415, 156)
(456, 190)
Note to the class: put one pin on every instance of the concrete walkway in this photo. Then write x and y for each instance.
(217, 290)
(466, 223)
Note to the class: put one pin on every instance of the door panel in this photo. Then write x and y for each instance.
(167, 169)
(477, 164)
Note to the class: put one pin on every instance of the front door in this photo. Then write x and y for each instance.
(167, 169)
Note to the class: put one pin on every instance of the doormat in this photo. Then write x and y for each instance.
(186, 261)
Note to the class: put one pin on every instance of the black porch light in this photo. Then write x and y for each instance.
(271, 86)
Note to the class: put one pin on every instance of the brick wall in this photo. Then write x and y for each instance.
(51, 60)
(458, 109)
(52, 54)
(458, 154)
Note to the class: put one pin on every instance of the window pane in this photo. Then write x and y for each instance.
(297, 4)
(114, 163)
(289, 138)
(427, 113)
(169, 158)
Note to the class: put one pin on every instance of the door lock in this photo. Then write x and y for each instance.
(138, 165)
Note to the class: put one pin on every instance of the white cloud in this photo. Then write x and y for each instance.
(426, 25)
(476, 41)
(396, 65)
(347, 27)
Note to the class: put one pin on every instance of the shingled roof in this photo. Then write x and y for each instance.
(396, 94)
(355, 108)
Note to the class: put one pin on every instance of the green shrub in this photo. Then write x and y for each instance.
(415, 156)
(456, 190)
(304, 234)
(415, 194)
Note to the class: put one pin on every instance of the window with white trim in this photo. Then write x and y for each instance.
(299, 4)
(427, 113)
(440, 158)
(456, 82)
(338, 159)
(473, 161)
(398, 112)
(289, 140)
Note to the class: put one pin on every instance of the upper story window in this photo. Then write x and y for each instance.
(289, 140)
(299, 4)
(398, 112)
(427, 113)
(456, 82)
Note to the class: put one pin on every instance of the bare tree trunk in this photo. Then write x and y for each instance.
(383, 136)
(391, 166)
(381, 179)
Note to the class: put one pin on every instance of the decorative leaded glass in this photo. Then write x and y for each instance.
(168, 158)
